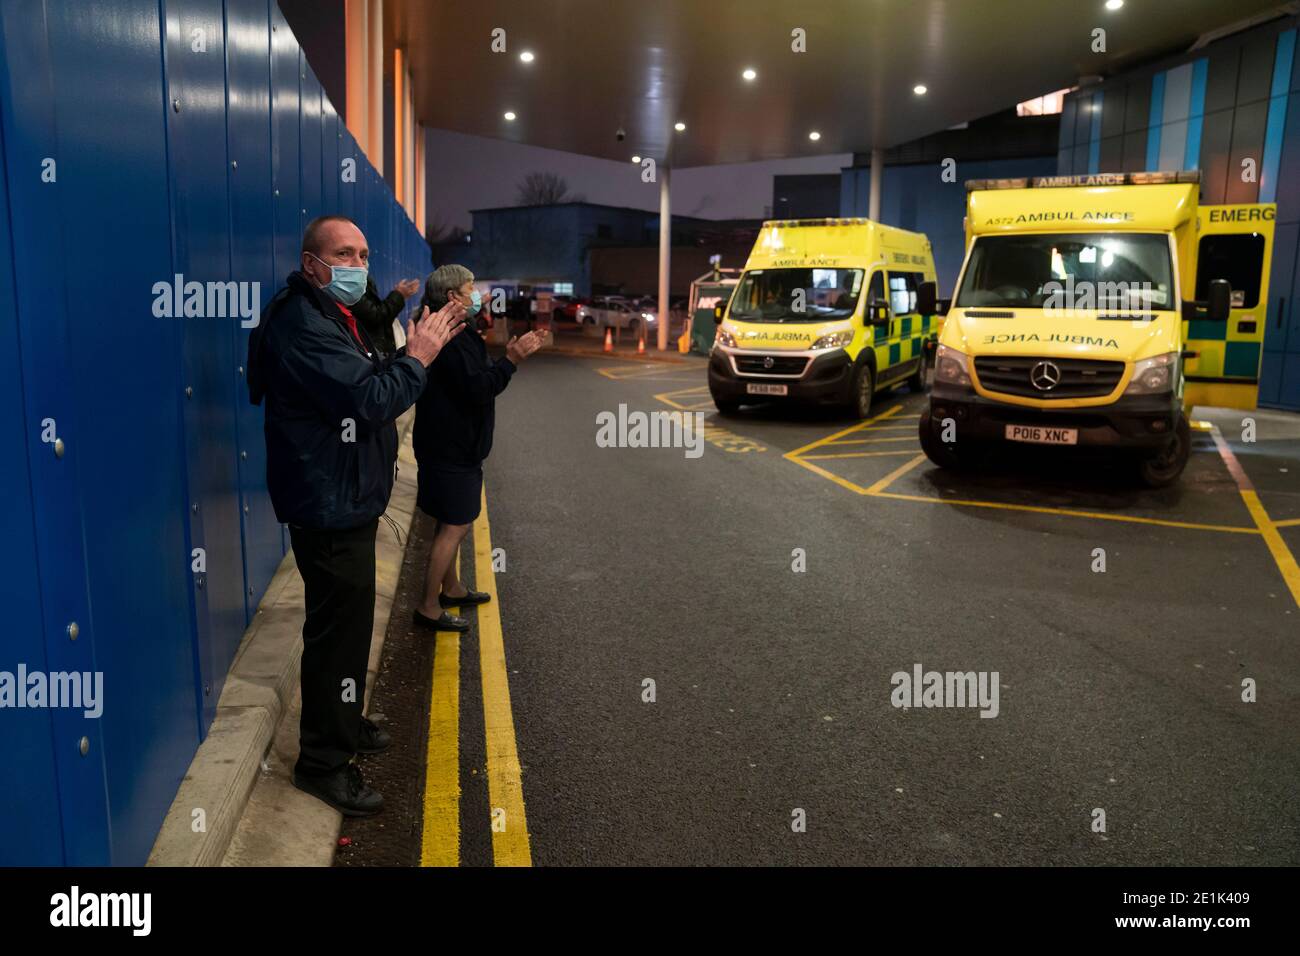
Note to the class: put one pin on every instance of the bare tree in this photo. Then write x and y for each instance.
(544, 189)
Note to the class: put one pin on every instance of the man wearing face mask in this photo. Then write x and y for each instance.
(454, 420)
(331, 448)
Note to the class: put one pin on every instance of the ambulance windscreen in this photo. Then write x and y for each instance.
(796, 295)
(1085, 271)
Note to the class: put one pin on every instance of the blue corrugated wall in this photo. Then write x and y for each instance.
(142, 139)
(1237, 99)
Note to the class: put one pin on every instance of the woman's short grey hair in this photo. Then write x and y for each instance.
(443, 280)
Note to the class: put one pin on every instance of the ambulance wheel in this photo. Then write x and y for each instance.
(945, 456)
(1164, 468)
(864, 390)
(916, 382)
(728, 408)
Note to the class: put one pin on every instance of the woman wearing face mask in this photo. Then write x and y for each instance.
(453, 434)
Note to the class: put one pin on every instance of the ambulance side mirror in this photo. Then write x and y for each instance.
(1218, 302)
(876, 313)
(927, 298)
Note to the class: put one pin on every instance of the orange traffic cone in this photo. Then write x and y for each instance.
(640, 345)
(609, 339)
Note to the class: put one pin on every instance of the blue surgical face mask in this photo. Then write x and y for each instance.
(347, 283)
(475, 303)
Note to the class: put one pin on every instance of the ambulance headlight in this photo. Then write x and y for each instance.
(951, 367)
(1154, 375)
(725, 337)
(836, 340)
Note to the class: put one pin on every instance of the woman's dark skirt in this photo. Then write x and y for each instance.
(453, 494)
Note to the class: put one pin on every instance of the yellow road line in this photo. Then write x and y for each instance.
(667, 400)
(875, 441)
(440, 841)
(829, 475)
(441, 837)
(897, 473)
(1288, 523)
(624, 373)
(875, 428)
(1282, 556)
(510, 846)
(1064, 512)
(845, 431)
(858, 454)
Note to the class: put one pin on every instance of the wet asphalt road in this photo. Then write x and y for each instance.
(1118, 691)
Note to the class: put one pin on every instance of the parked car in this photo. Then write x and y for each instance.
(566, 306)
(614, 312)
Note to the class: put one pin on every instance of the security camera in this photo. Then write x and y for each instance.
(619, 134)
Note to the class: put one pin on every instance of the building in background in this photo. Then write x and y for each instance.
(806, 196)
(584, 249)
(916, 195)
(1230, 109)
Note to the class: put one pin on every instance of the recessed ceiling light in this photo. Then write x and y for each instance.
(1114, 4)
(526, 56)
(919, 89)
(679, 126)
(636, 159)
(510, 116)
(814, 136)
(749, 74)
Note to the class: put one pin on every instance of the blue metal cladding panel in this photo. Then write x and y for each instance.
(310, 125)
(1281, 307)
(252, 224)
(125, 377)
(200, 207)
(285, 137)
(35, 221)
(348, 160)
(329, 157)
(30, 831)
(214, 192)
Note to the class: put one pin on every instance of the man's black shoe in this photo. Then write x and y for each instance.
(344, 790)
(373, 739)
(444, 622)
(468, 599)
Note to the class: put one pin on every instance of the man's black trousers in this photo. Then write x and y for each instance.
(338, 571)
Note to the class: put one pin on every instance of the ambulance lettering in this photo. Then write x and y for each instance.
(1007, 338)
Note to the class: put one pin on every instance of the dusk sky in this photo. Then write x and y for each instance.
(471, 172)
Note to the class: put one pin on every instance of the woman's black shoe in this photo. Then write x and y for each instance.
(470, 599)
(345, 790)
(444, 622)
(373, 739)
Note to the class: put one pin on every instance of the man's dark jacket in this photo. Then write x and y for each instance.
(377, 315)
(455, 415)
(315, 376)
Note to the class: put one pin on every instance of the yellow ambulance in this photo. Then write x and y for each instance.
(1095, 311)
(827, 312)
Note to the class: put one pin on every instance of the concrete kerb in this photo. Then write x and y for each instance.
(241, 770)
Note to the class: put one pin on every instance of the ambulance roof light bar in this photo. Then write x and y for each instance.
(1087, 179)
(837, 221)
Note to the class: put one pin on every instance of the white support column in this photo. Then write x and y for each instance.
(665, 253)
(877, 175)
